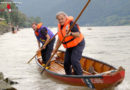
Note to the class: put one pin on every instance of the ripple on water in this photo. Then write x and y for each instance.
(109, 44)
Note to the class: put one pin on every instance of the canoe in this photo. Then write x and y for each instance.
(96, 74)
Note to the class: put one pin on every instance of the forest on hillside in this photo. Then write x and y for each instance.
(14, 16)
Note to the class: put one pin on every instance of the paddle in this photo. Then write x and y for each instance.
(36, 53)
(67, 33)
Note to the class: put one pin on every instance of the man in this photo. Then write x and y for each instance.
(73, 42)
(43, 35)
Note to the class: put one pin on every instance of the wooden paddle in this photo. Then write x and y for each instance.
(67, 33)
(36, 53)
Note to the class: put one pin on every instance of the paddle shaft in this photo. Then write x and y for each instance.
(67, 33)
(47, 44)
(31, 59)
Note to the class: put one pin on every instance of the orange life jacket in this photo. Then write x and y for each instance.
(38, 27)
(69, 41)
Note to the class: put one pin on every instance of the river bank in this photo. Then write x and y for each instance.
(5, 83)
(4, 29)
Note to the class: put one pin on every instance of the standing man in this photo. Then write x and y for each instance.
(73, 42)
(43, 35)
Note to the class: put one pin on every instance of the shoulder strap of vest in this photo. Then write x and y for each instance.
(39, 25)
(69, 19)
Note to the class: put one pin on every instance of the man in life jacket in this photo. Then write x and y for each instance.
(43, 35)
(73, 42)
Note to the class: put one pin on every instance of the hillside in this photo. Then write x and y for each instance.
(13, 16)
(99, 12)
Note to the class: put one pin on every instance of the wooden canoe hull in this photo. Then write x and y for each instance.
(109, 78)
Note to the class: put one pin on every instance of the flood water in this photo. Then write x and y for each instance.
(108, 44)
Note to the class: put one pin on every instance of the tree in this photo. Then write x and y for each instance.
(16, 17)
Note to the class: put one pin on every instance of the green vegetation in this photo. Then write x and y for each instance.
(15, 17)
(114, 20)
(4, 27)
(3, 23)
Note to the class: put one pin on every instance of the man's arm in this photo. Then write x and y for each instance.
(75, 34)
(46, 42)
(74, 31)
(38, 44)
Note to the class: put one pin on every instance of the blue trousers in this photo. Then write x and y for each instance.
(46, 53)
(72, 59)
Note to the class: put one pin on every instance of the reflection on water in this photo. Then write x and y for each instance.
(109, 44)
